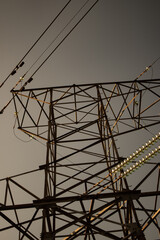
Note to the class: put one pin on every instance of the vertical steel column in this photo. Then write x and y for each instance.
(49, 224)
(102, 124)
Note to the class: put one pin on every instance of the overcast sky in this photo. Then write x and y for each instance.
(116, 41)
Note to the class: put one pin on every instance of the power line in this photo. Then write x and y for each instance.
(79, 10)
(147, 68)
(21, 62)
(31, 78)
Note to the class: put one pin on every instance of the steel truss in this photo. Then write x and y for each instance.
(84, 196)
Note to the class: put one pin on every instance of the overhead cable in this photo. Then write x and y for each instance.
(146, 69)
(79, 10)
(21, 62)
(31, 78)
(80, 20)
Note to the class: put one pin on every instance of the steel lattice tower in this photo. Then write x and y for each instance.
(87, 194)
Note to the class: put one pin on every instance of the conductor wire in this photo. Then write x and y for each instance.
(147, 68)
(31, 78)
(20, 64)
(58, 35)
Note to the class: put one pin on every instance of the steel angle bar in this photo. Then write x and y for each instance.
(19, 228)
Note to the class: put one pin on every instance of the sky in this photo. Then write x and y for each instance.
(115, 42)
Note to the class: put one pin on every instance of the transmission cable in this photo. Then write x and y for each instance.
(146, 69)
(31, 78)
(56, 37)
(21, 62)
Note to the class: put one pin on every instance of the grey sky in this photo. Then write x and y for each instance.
(115, 42)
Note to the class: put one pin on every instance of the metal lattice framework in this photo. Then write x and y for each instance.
(87, 194)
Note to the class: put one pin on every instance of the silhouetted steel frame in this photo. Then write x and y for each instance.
(52, 161)
(120, 110)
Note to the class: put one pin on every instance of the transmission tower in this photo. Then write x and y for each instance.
(91, 189)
